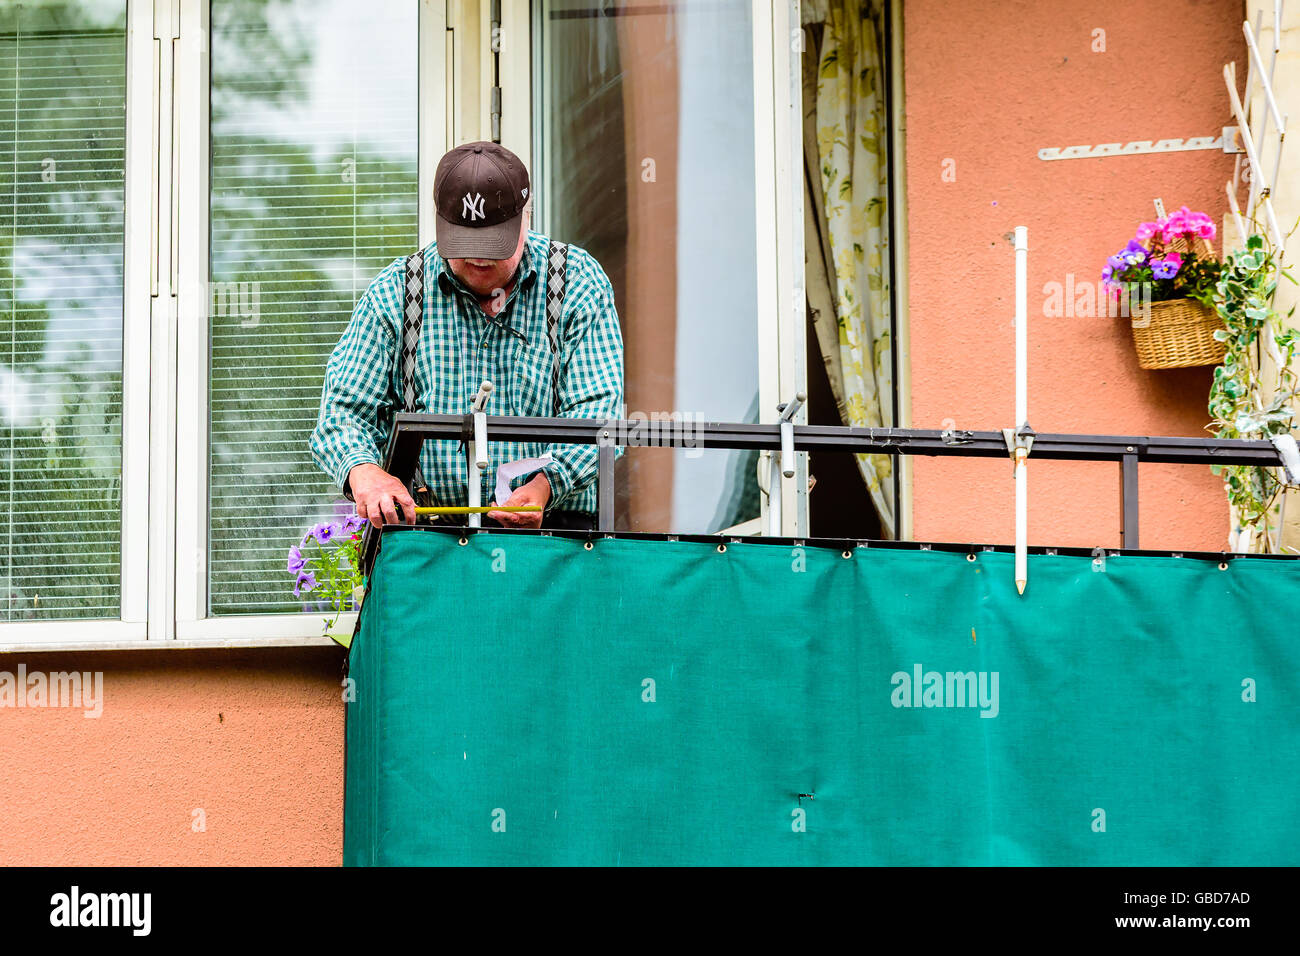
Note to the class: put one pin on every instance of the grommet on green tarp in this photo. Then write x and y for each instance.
(587, 546)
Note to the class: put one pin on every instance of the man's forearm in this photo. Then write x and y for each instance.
(352, 425)
(349, 465)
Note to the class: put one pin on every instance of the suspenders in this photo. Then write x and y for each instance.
(557, 267)
(412, 322)
(557, 262)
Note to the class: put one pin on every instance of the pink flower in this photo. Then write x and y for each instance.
(1147, 230)
(1187, 223)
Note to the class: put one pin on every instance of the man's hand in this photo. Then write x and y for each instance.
(534, 492)
(376, 493)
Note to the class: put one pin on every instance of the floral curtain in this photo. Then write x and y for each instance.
(847, 221)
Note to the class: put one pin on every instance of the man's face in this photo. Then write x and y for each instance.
(486, 276)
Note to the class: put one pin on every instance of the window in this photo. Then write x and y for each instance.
(314, 133)
(62, 190)
(644, 155)
(195, 193)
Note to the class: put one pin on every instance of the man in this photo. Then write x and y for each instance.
(484, 318)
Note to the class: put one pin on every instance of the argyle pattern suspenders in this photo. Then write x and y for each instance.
(557, 267)
(412, 322)
(557, 260)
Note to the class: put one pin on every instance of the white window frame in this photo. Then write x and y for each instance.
(191, 622)
(143, 65)
(778, 232)
(898, 240)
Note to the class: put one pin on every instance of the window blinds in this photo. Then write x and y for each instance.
(313, 191)
(62, 155)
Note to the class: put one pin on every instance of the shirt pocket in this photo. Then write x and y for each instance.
(530, 379)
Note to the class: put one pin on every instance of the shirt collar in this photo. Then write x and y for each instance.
(526, 274)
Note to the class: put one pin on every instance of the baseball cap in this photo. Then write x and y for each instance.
(480, 190)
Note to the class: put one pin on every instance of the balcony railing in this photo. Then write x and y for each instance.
(410, 431)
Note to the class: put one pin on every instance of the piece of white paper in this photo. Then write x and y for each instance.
(1290, 455)
(513, 469)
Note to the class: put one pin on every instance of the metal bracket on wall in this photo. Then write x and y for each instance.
(1229, 141)
(1022, 437)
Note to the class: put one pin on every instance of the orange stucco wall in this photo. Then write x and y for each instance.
(253, 738)
(987, 84)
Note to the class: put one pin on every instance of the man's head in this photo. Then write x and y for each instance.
(481, 191)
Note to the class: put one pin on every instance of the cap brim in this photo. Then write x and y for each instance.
(456, 241)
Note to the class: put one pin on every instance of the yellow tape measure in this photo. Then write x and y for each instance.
(461, 510)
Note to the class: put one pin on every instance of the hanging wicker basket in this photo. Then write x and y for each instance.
(1178, 333)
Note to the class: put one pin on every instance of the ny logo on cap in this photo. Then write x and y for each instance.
(471, 207)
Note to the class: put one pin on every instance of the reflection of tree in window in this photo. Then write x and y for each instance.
(313, 167)
(62, 152)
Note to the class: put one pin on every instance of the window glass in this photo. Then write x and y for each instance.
(314, 135)
(62, 164)
(644, 132)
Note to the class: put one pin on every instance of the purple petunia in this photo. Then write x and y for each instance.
(352, 523)
(306, 582)
(296, 560)
(1134, 253)
(1164, 268)
(323, 532)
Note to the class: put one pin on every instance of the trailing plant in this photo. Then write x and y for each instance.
(327, 563)
(1237, 404)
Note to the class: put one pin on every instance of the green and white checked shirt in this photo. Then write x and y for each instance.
(459, 348)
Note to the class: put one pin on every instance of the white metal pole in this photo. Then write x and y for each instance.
(1022, 402)
(476, 457)
(474, 498)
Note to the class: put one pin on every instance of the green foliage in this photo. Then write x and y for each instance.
(1237, 403)
(1196, 279)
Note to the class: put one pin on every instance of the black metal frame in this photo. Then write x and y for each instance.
(410, 431)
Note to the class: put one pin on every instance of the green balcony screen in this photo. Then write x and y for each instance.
(524, 700)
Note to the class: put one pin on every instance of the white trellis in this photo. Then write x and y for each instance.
(1262, 183)
(1257, 149)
